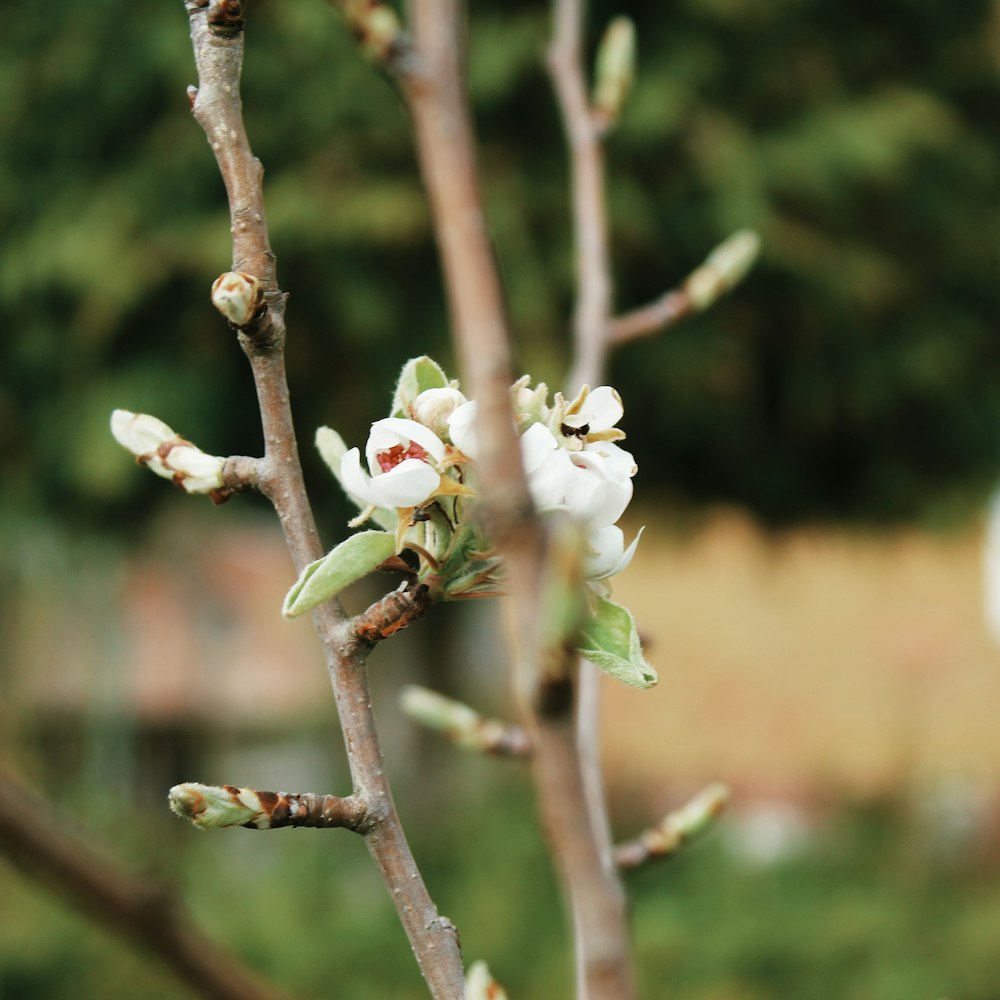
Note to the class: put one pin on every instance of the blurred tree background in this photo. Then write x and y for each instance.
(854, 378)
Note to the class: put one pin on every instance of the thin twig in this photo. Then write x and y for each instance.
(463, 725)
(218, 109)
(677, 829)
(660, 314)
(213, 806)
(724, 268)
(134, 907)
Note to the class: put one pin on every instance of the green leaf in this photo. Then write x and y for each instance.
(417, 375)
(610, 641)
(352, 559)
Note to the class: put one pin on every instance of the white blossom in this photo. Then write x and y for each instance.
(401, 456)
(593, 486)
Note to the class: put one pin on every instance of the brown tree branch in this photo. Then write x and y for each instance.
(132, 906)
(217, 107)
(437, 101)
(604, 967)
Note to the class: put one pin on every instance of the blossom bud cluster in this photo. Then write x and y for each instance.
(164, 452)
(423, 463)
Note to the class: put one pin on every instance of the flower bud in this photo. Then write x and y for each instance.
(212, 806)
(161, 450)
(433, 407)
(237, 296)
(615, 69)
(723, 269)
(480, 984)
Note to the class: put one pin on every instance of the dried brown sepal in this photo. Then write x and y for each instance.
(392, 613)
(225, 18)
(376, 27)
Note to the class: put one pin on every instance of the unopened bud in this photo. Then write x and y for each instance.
(723, 269)
(480, 984)
(438, 712)
(433, 407)
(237, 296)
(164, 452)
(212, 806)
(615, 69)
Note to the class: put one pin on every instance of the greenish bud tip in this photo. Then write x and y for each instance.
(438, 712)
(208, 806)
(615, 69)
(723, 269)
(697, 815)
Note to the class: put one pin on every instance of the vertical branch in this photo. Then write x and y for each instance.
(445, 147)
(216, 33)
(435, 93)
(590, 327)
(590, 224)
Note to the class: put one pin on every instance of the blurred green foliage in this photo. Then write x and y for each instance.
(854, 376)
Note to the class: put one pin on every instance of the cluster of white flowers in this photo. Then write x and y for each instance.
(569, 450)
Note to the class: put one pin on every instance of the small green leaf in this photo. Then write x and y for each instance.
(610, 641)
(417, 375)
(352, 559)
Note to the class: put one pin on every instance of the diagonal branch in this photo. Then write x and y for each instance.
(676, 830)
(135, 907)
(724, 267)
(217, 108)
(463, 725)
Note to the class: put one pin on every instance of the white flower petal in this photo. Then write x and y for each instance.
(392, 432)
(537, 442)
(608, 555)
(462, 429)
(552, 481)
(617, 463)
(408, 484)
(139, 432)
(603, 408)
(201, 472)
(354, 479)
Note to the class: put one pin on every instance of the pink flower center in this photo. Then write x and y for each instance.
(391, 457)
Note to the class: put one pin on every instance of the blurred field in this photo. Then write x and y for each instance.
(854, 662)
(842, 684)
